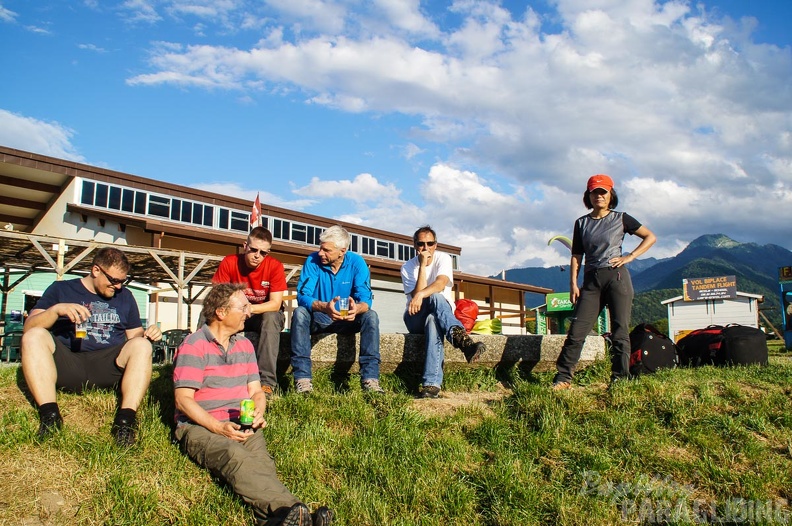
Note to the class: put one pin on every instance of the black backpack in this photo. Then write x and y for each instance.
(723, 345)
(650, 350)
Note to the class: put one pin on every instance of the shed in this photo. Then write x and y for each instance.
(685, 316)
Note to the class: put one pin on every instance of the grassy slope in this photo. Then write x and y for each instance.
(695, 438)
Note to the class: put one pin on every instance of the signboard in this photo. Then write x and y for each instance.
(716, 288)
(784, 274)
(559, 302)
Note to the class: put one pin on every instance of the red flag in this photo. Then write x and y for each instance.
(255, 214)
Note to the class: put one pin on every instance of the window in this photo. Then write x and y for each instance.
(384, 249)
(140, 203)
(240, 221)
(281, 229)
(101, 195)
(87, 197)
(208, 215)
(128, 200)
(159, 206)
(299, 232)
(115, 198)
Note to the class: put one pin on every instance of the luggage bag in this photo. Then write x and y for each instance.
(732, 344)
(650, 350)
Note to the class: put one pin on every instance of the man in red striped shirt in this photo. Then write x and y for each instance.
(215, 369)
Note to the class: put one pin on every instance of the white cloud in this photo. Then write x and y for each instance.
(140, 11)
(46, 138)
(92, 47)
(6, 15)
(363, 188)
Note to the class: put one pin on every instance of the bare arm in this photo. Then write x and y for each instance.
(574, 270)
(46, 318)
(272, 305)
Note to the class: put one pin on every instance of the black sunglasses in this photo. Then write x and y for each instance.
(261, 251)
(425, 243)
(113, 281)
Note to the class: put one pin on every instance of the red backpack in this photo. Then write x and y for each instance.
(466, 312)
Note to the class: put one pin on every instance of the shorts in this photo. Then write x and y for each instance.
(81, 370)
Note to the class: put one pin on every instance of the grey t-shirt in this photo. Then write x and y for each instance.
(600, 240)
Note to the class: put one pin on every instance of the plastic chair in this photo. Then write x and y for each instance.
(171, 339)
(11, 347)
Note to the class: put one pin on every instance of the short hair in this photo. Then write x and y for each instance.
(337, 235)
(111, 257)
(219, 297)
(260, 233)
(614, 200)
(423, 230)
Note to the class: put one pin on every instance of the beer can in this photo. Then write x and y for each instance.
(246, 412)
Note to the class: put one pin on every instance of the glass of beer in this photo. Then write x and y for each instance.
(81, 329)
(343, 306)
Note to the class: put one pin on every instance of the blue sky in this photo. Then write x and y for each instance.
(482, 118)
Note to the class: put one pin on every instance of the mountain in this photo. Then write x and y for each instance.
(755, 266)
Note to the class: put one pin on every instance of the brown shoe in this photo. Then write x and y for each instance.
(268, 392)
(561, 386)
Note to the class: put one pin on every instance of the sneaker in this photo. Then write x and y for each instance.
(304, 385)
(429, 391)
(268, 392)
(560, 385)
(462, 341)
(371, 386)
(323, 516)
(50, 423)
(298, 515)
(124, 432)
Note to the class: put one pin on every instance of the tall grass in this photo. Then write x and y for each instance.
(677, 447)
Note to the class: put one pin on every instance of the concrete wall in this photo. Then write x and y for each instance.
(401, 352)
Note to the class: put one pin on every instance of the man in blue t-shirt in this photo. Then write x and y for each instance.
(87, 333)
(327, 276)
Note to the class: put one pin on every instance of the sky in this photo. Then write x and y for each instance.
(481, 118)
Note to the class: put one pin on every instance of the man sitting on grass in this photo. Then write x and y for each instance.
(214, 370)
(113, 351)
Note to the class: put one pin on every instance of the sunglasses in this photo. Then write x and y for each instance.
(425, 243)
(261, 251)
(113, 281)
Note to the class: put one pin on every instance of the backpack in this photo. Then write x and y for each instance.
(732, 344)
(650, 350)
(466, 312)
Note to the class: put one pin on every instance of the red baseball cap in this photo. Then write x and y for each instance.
(600, 181)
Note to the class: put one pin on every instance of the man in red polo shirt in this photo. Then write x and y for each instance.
(265, 283)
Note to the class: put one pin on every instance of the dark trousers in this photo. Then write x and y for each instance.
(263, 330)
(247, 467)
(611, 287)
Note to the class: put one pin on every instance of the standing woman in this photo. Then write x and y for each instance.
(606, 281)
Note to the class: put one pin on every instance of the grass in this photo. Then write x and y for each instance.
(677, 447)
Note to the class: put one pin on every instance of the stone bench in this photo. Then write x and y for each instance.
(399, 351)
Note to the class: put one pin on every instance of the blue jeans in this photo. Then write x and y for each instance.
(434, 321)
(305, 323)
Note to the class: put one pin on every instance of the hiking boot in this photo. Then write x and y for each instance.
(371, 386)
(268, 392)
(303, 385)
(560, 385)
(323, 516)
(472, 350)
(429, 391)
(124, 431)
(50, 423)
(298, 515)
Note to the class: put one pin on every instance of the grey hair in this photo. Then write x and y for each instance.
(337, 235)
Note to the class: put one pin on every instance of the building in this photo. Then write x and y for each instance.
(56, 211)
(685, 316)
